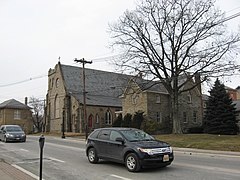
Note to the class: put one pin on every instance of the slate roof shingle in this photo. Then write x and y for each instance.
(13, 104)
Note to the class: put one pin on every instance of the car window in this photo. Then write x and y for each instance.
(136, 135)
(94, 134)
(104, 134)
(13, 129)
(114, 135)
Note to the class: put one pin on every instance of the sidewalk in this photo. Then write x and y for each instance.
(8, 172)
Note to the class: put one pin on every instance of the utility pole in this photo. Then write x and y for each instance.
(84, 93)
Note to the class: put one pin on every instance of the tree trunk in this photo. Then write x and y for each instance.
(174, 112)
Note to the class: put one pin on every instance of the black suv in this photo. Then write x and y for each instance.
(132, 147)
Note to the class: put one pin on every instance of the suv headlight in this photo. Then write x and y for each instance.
(148, 151)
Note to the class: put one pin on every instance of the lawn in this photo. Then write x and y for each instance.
(203, 141)
(199, 141)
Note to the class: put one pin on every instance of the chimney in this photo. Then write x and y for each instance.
(197, 79)
(26, 101)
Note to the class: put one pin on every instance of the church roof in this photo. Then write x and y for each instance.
(102, 88)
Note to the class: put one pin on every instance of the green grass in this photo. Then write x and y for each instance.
(198, 141)
(203, 141)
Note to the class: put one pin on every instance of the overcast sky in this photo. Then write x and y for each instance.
(34, 33)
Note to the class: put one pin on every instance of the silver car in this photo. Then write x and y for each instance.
(12, 133)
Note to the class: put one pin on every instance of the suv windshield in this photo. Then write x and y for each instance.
(136, 135)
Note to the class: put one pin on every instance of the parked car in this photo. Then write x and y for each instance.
(132, 147)
(12, 133)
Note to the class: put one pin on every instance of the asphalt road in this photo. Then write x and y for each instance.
(65, 159)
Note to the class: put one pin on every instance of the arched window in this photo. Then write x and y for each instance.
(56, 107)
(57, 82)
(97, 118)
(108, 118)
(52, 82)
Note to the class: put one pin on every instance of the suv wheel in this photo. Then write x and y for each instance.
(132, 162)
(92, 156)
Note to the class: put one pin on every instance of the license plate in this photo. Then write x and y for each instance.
(165, 158)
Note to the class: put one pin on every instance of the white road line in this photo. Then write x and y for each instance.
(54, 159)
(24, 150)
(119, 177)
(25, 171)
(67, 147)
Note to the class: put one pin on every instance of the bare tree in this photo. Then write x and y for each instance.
(37, 106)
(170, 38)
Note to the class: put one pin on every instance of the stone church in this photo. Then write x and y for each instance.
(107, 95)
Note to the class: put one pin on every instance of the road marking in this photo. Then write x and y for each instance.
(119, 177)
(36, 160)
(25, 171)
(24, 150)
(54, 159)
(67, 147)
(211, 168)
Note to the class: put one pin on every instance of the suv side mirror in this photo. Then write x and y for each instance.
(119, 139)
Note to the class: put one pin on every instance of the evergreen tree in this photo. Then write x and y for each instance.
(220, 117)
(127, 120)
(137, 119)
(118, 121)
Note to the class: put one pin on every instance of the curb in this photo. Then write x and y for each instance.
(209, 152)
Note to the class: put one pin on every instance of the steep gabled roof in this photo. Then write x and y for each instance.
(103, 88)
(13, 104)
(155, 86)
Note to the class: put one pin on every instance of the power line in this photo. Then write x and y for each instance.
(23, 81)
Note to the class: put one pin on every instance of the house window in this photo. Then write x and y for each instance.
(159, 117)
(194, 116)
(189, 98)
(185, 117)
(17, 114)
(108, 118)
(158, 99)
(135, 98)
